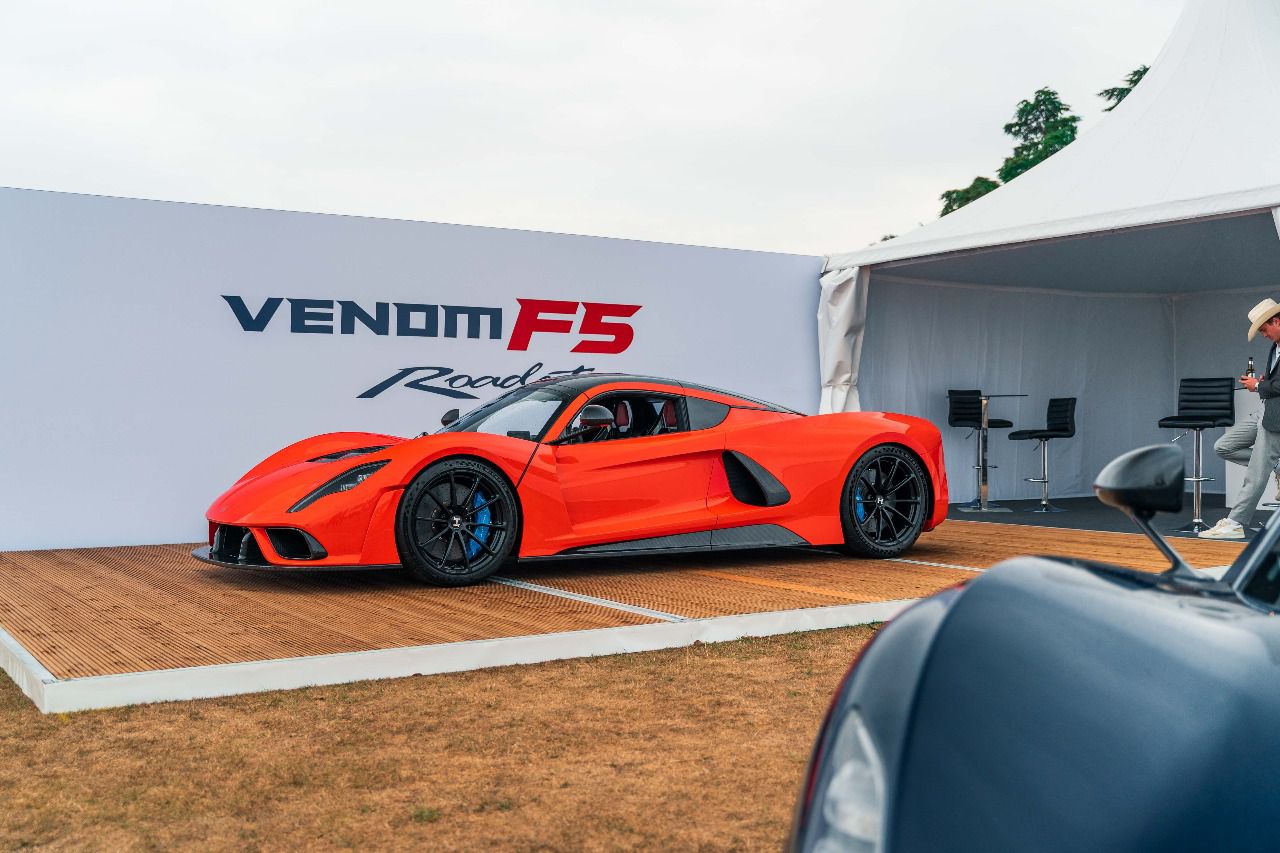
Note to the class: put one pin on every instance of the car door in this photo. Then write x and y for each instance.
(647, 478)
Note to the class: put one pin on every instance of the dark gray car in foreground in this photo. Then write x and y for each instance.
(1055, 704)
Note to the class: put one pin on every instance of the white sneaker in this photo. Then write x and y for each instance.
(1225, 529)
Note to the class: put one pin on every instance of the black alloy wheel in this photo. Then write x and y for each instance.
(884, 503)
(458, 523)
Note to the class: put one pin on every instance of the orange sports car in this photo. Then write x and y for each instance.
(586, 465)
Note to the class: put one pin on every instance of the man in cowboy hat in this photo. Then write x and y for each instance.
(1254, 442)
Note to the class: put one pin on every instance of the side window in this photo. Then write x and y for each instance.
(705, 414)
(635, 415)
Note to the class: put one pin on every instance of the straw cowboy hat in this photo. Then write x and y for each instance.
(1261, 313)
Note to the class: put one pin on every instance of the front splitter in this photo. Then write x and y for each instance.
(204, 555)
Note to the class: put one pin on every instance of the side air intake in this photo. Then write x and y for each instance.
(751, 483)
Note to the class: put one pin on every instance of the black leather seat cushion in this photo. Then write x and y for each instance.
(1037, 434)
(1192, 422)
(992, 423)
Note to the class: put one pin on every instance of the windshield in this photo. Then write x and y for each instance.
(526, 412)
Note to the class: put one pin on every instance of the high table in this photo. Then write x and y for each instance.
(983, 505)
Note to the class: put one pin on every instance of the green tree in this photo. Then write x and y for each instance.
(1116, 94)
(953, 200)
(1043, 126)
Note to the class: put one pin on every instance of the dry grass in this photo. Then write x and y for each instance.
(691, 749)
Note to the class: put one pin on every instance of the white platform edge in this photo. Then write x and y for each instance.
(204, 682)
(27, 672)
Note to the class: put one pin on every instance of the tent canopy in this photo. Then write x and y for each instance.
(1123, 263)
(1238, 252)
(1197, 139)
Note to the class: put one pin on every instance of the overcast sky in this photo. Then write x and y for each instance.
(808, 126)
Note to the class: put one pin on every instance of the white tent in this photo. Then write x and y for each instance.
(1122, 263)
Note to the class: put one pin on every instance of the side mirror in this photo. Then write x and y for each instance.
(449, 417)
(1143, 482)
(595, 416)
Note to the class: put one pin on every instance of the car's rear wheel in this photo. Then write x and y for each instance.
(458, 523)
(884, 503)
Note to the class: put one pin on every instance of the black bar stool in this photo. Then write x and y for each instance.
(964, 409)
(1060, 422)
(1202, 404)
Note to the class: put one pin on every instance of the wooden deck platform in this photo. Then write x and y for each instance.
(95, 613)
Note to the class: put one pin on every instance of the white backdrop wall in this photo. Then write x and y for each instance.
(1114, 353)
(133, 394)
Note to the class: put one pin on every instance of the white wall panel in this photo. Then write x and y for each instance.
(132, 396)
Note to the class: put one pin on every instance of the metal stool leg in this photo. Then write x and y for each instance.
(977, 475)
(1043, 480)
(984, 505)
(1196, 479)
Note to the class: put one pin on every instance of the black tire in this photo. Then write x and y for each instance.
(884, 503)
(458, 523)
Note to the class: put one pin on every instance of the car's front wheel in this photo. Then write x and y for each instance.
(884, 503)
(458, 523)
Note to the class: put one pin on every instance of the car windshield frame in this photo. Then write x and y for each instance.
(1259, 556)
(473, 420)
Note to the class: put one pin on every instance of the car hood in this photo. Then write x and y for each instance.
(285, 477)
(1068, 707)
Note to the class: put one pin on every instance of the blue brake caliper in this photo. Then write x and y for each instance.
(859, 508)
(481, 529)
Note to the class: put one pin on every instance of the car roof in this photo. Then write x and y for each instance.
(583, 382)
(586, 381)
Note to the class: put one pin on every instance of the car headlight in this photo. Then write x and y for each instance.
(853, 802)
(344, 482)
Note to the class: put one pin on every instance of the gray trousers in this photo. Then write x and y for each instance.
(1258, 450)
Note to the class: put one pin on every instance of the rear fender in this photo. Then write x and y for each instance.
(929, 457)
(812, 457)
